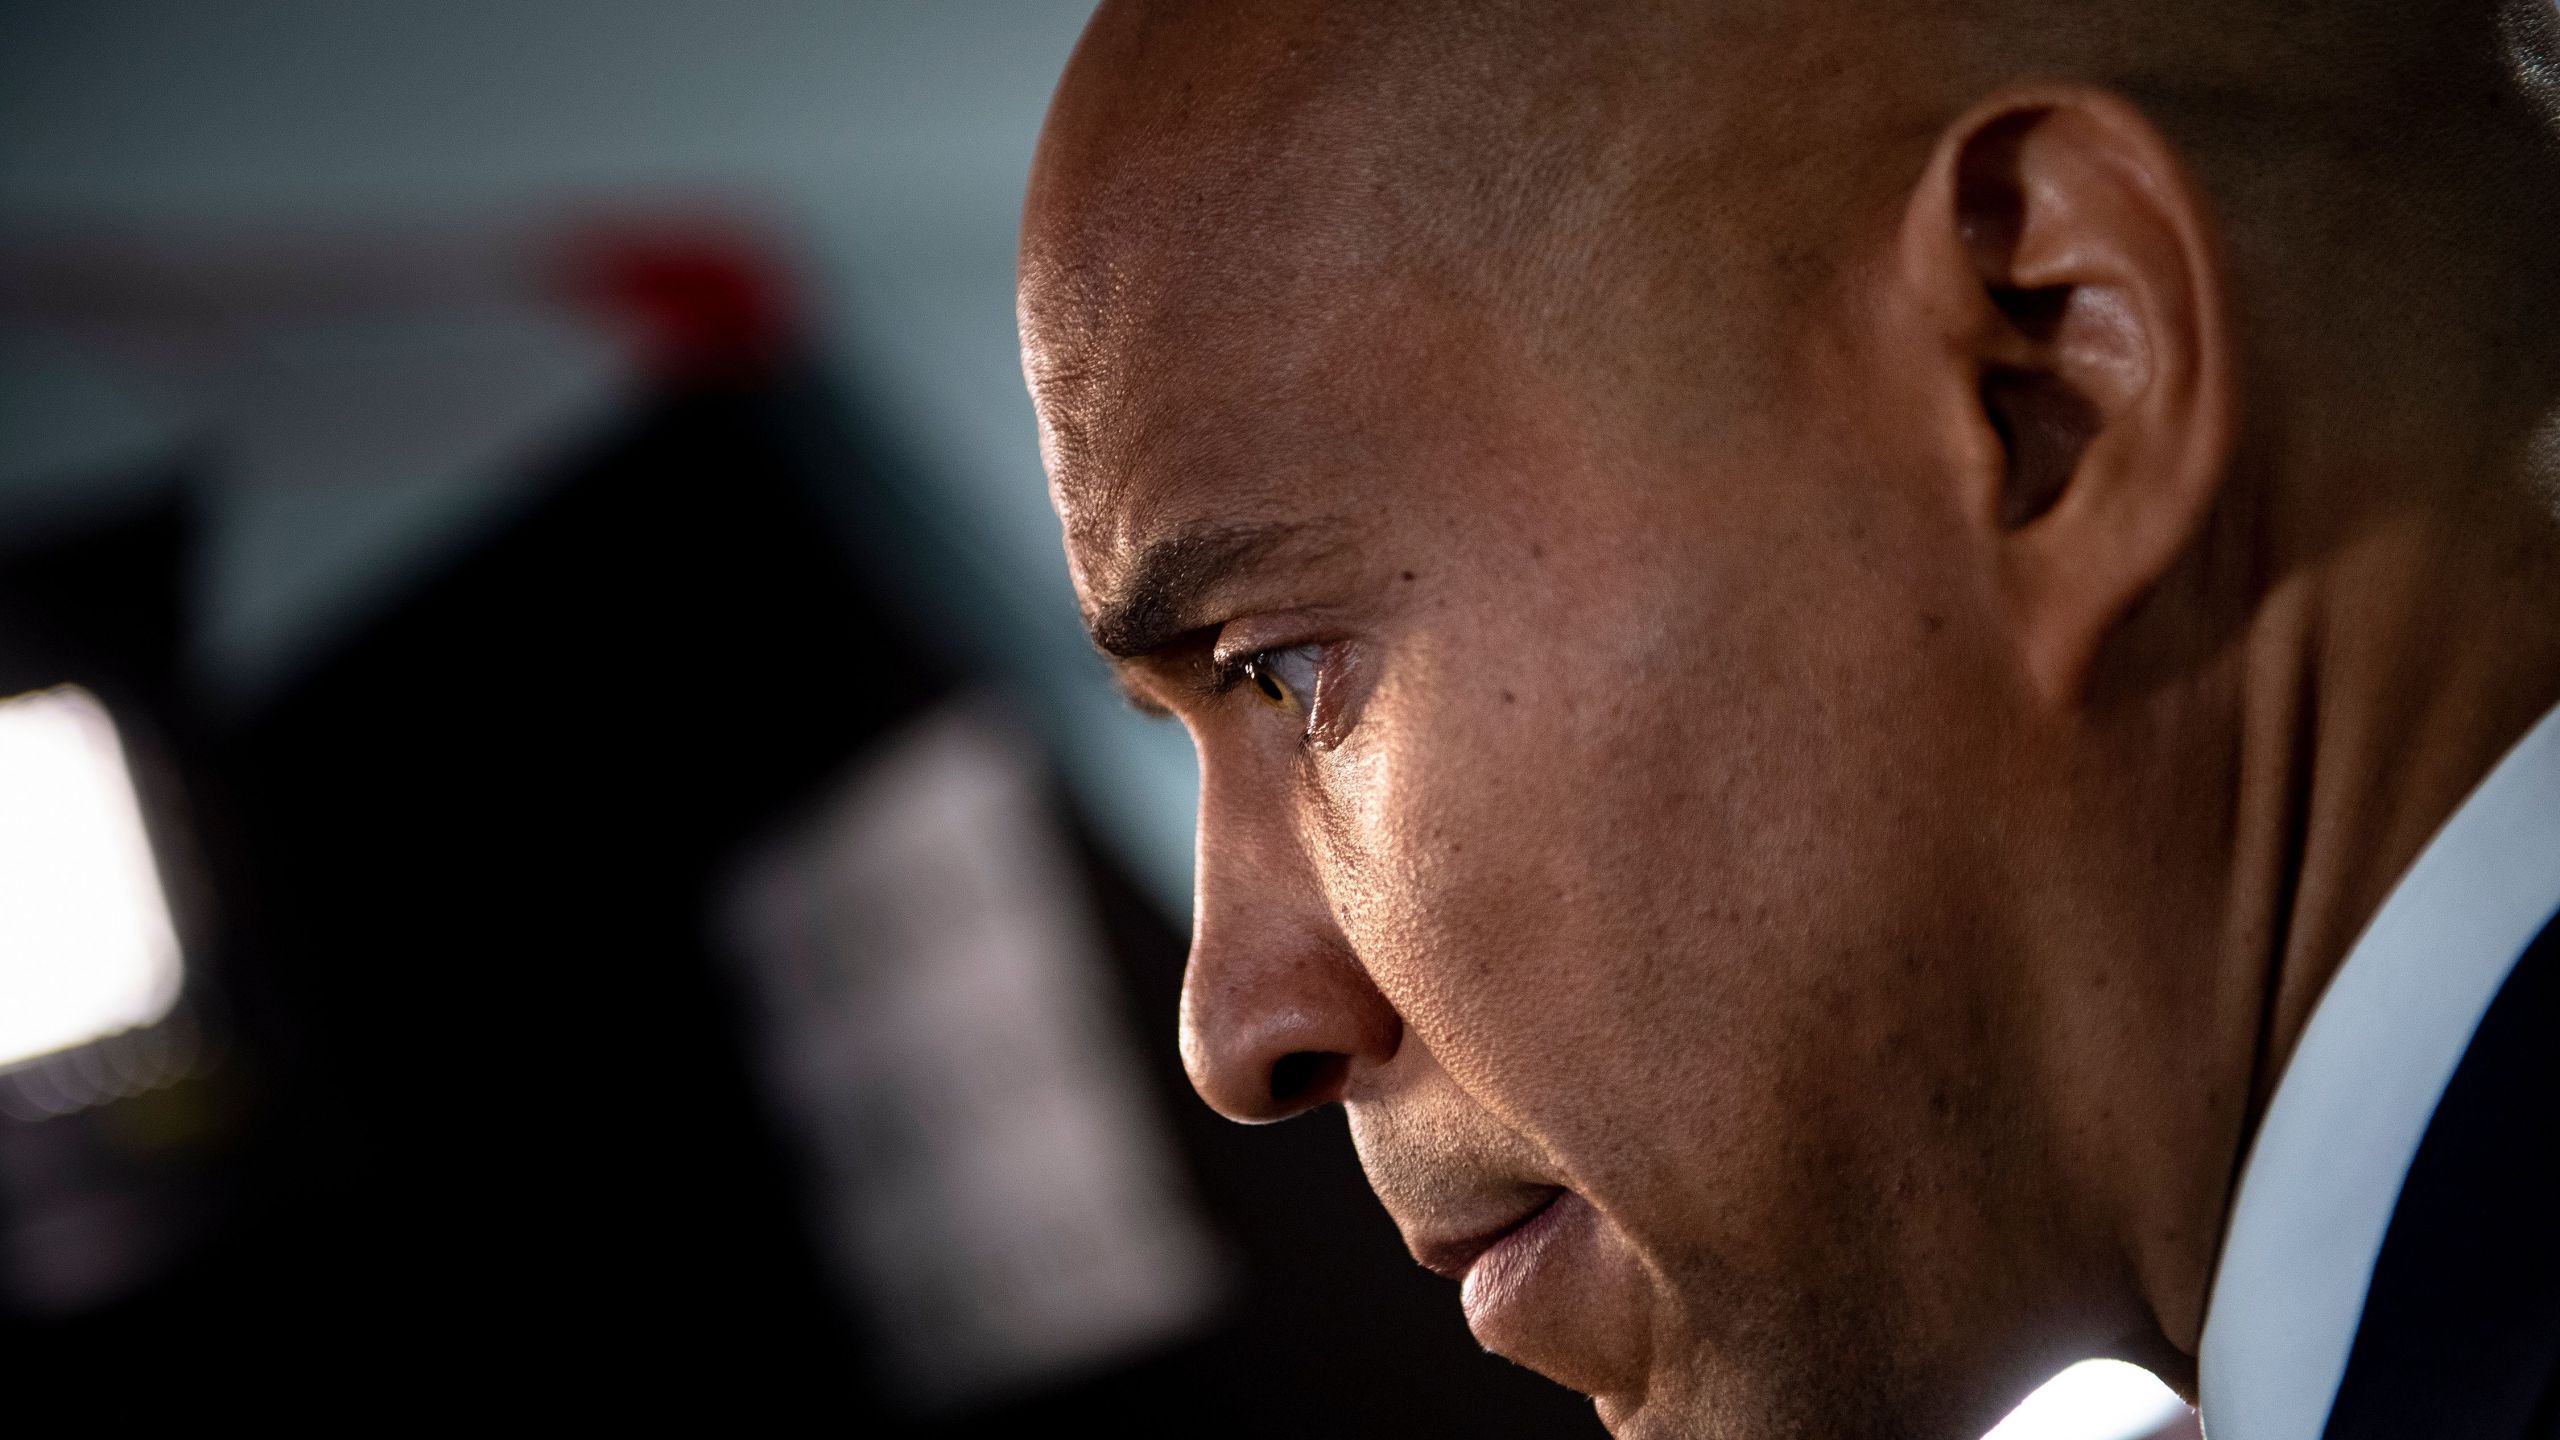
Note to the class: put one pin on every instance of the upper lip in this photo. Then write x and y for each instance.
(1449, 1253)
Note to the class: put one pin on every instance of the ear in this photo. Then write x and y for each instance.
(2069, 291)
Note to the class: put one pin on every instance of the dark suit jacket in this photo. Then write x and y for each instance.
(2460, 1335)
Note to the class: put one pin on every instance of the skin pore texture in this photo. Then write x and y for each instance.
(1810, 627)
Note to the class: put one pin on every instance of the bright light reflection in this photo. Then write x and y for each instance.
(2093, 1400)
(86, 945)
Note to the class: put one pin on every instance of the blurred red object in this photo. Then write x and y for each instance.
(700, 303)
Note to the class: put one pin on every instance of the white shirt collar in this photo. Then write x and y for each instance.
(2324, 1172)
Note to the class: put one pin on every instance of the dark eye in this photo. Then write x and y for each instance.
(1283, 679)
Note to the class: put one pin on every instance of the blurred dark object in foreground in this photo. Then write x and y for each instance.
(497, 1117)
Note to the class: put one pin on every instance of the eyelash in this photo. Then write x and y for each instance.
(1227, 672)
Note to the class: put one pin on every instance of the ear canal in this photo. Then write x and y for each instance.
(2063, 354)
(2042, 421)
(2044, 424)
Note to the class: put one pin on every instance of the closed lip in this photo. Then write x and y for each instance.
(1452, 1256)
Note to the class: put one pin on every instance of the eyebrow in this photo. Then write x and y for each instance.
(1165, 594)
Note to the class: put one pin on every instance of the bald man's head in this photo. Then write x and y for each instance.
(1699, 544)
(1635, 184)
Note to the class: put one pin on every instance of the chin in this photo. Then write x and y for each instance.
(1640, 1417)
(1650, 1411)
(1624, 1419)
(1703, 1409)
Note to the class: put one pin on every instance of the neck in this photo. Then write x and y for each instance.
(2418, 677)
(2381, 683)
(2384, 670)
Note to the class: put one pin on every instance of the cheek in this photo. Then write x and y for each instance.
(1669, 909)
(1518, 854)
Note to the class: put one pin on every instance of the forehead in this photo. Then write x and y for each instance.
(1230, 384)
(1232, 278)
(1356, 419)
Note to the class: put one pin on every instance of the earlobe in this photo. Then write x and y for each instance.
(2074, 285)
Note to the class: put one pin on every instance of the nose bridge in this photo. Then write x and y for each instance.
(1276, 1010)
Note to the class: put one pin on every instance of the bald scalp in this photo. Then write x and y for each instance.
(1648, 187)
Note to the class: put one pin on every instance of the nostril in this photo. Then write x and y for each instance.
(1306, 1078)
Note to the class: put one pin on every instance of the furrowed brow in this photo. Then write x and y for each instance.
(1166, 589)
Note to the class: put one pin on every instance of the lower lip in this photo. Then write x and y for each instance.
(1563, 1296)
(1500, 1280)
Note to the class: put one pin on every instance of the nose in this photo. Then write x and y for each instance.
(1277, 1012)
